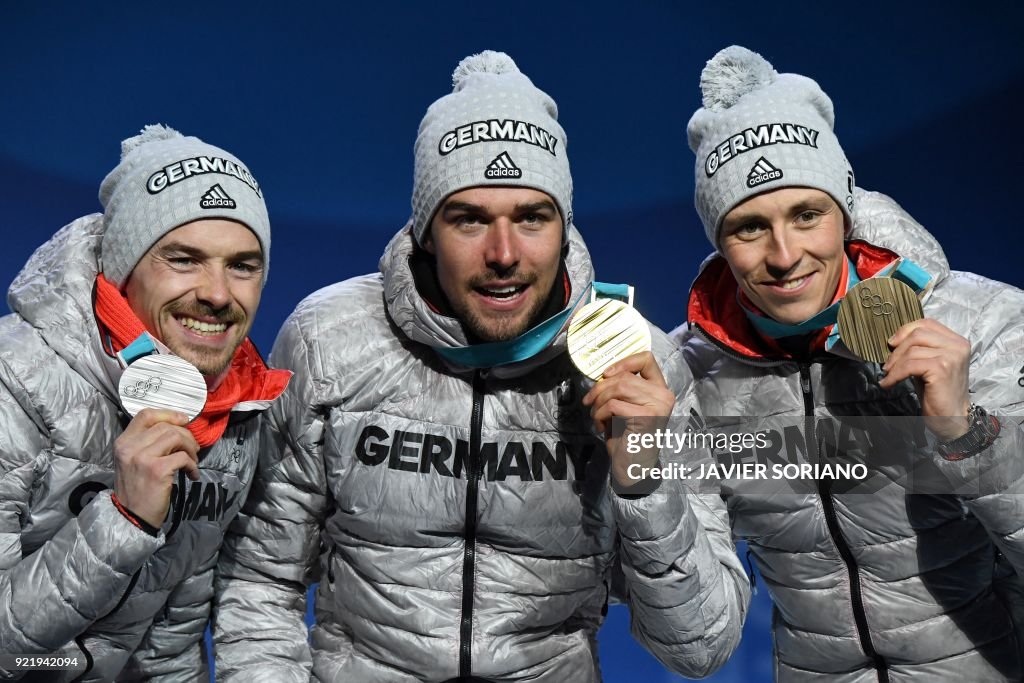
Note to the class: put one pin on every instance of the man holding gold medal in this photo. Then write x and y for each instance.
(831, 305)
(436, 462)
(129, 393)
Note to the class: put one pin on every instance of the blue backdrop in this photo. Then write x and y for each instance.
(322, 101)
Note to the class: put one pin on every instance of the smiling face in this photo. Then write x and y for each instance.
(197, 290)
(785, 249)
(498, 251)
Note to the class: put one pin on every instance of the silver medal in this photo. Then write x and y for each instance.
(162, 381)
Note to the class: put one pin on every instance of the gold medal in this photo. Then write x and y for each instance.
(871, 312)
(604, 332)
(162, 380)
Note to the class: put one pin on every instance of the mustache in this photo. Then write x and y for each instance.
(492, 276)
(228, 314)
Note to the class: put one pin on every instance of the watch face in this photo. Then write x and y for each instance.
(162, 381)
(604, 332)
(871, 312)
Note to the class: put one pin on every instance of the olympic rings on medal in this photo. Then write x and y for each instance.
(142, 387)
(876, 304)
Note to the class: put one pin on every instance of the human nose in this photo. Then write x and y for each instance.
(213, 288)
(501, 251)
(783, 252)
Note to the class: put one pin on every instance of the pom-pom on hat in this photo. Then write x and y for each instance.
(760, 131)
(495, 128)
(164, 181)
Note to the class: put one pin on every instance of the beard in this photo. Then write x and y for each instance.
(210, 362)
(498, 327)
(491, 329)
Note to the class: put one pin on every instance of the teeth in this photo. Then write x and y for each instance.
(501, 291)
(201, 327)
(792, 284)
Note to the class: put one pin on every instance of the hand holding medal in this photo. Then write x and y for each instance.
(162, 393)
(881, 321)
(938, 359)
(610, 342)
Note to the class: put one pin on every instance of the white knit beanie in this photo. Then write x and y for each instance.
(495, 128)
(760, 131)
(165, 180)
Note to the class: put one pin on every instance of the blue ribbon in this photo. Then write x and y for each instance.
(605, 290)
(142, 346)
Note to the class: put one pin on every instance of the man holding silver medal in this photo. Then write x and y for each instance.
(808, 310)
(435, 462)
(128, 397)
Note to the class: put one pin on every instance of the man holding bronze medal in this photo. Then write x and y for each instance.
(829, 304)
(436, 462)
(129, 393)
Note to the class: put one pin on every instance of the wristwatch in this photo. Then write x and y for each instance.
(980, 435)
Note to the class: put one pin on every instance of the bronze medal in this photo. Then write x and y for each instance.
(871, 312)
(604, 332)
(162, 381)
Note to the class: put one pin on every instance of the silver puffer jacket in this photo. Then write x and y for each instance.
(76, 577)
(426, 571)
(883, 586)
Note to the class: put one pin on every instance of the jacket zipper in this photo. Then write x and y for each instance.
(733, 353)
(832, 521)
(80, 642)
(469, 555)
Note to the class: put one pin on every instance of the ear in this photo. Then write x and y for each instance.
(428, 243)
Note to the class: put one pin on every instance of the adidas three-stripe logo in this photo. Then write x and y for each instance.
(502, 167)
(762, 172)
(216, 198)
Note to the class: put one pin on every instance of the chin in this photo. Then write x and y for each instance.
(787, 317)
(208, 364)
(499, 331)
(498, 334)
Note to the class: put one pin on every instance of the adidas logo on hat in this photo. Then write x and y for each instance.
(216, 198)
(762, 172)
(502, 167)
